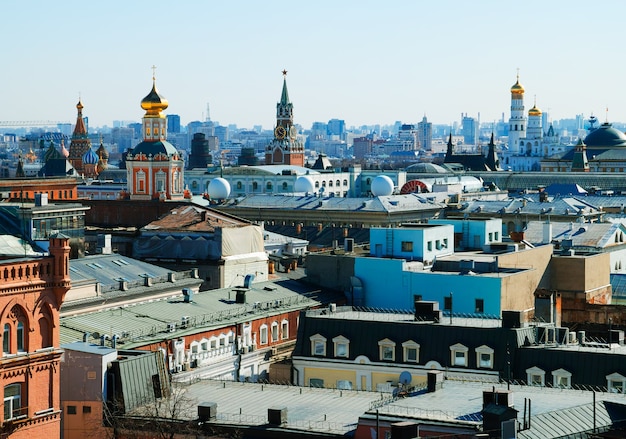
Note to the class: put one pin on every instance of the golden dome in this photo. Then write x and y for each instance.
(517, 88)
(534, 111)
(79, 106)
(154, 103)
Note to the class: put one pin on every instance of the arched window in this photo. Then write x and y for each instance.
(20, 337)
(269, 185)
(239, 185)
(330, 183)
(6, 339)
(317, 184)
(284, 185)
(255, 185)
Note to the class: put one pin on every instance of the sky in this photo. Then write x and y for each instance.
(366, 62)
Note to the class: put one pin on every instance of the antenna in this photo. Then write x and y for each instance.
(208, 113)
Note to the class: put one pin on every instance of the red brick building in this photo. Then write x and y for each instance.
(31, 293)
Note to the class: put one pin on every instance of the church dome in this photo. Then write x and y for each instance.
(154, 103)
(517, 88)
(90, 157)
(605, 136)
(154, 148)
(534, 111)
(102, 152)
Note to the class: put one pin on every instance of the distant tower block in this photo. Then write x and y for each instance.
(200, 152)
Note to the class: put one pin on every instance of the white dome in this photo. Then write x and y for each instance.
(304, 184)
(219, 188)
(382, 185)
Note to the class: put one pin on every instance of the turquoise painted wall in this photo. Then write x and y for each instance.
(387, 285)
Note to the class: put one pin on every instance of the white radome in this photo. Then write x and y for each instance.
(219, 188)
(382, 185)
(304, 184)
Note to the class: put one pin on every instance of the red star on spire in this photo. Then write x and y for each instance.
(284, 72)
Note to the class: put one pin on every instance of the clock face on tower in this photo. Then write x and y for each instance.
(280, 132)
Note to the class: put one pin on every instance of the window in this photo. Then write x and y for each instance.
(269, 185)
(239, 185)
(344, 385)
(490, 236)
(318, 345)
(284, 329)
(12, 401)
(535, 376)
(275, 331)
(342, 346)
(447, 303)
(387, 350)
(6, 339)
(284, 185)
(445, 243)
(316, 382)
(615, 383)
(255, 185)
(496, 235)
(71, 409)
(430, 246)
(458, 354)
(411, 352)
(86, 409)
(263, 333)
(480, 306)
(561, 378)
(484, 357)
(438, 244)
(407, 246)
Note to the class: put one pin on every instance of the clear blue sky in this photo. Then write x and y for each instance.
(363, 61)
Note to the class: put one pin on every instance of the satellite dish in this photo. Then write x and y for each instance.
(95, 335)
(405, 377)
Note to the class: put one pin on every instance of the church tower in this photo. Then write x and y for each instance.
(535, 126)
(80, 143)
(517, 122)
(285, 149)
(154, 167)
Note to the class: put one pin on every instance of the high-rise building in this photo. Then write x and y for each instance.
(285, 148)
(173, 123)
(470, 130)
(154, 167)
(336, 127)
(425, 134)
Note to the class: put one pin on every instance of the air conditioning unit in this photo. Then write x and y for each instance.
(274, 350)
(125, 334)
(171, 327)
(184, 321)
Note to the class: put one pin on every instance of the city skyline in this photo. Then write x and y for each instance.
(363, 62)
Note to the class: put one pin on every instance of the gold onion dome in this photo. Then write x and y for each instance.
(517, 87)
(154, 103)
(79, 106)
(534, 111)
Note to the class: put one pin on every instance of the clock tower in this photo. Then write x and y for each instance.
(285, 148)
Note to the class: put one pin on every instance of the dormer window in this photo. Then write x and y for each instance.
(561, 379)
(318, 345)
(341, 347)
(536, 376)
(616, 383)
(410, 352)
(387, 350)
(458, 355)
(484, 357)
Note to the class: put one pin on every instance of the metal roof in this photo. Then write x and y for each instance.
(151, 320)
(387, 203)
